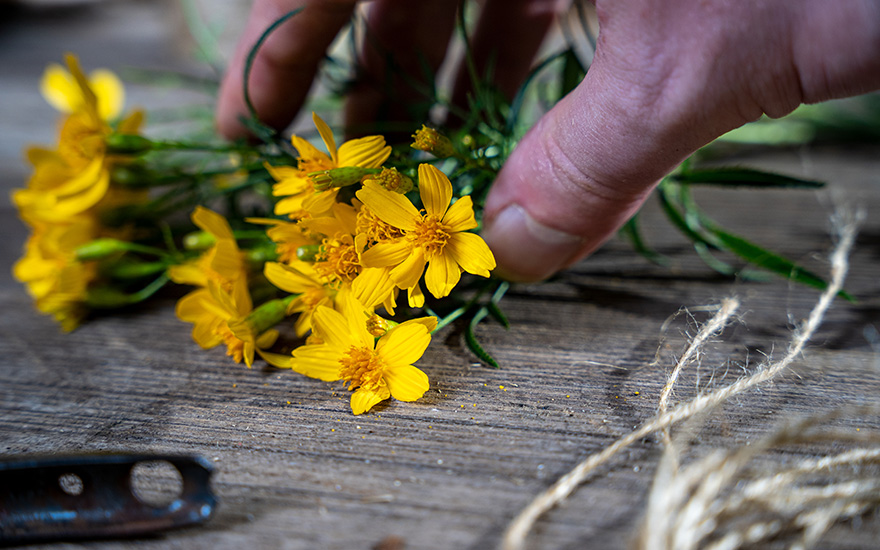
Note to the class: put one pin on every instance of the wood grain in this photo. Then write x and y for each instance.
(294, 469)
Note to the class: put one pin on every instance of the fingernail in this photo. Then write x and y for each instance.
(525, 249)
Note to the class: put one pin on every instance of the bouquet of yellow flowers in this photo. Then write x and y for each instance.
(350, 231)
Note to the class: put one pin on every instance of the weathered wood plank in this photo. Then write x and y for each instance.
(296, 470)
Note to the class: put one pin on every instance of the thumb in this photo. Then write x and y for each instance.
(581, 173)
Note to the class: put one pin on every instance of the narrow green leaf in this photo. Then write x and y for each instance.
(520, 97)
(471, 339)
(631, 231)
(498, 315)
(676, 218)
(249, 63)
(743, 177)
(448, 318)
(771, 261)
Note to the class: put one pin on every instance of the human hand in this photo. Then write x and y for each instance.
(668, 77)
(414, 35)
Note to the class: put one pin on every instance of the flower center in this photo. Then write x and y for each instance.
(337, 262)
(431, 234)
(80, 142)
(313, 296)
(308, 165)
(234, 344)
(362, 367)
(375, 230)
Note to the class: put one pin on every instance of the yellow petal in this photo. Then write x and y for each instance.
(281, 173)
(303, 323)
(319, 204)
(460, 216)
(363, 400)
(406, 382)
(385, 254)
(293, 185)
(241, 297)
(442, 275)
(327, 136)
(221, 303)
(206, 334)
(109, 92)
(435, 189)
(83, 180)
(90, 189)
(331, 327)
(366, 152)
(189, 308)
(430, 323)
(408, 273)
(404, 344)
(309, 152)
(289, 205)
(316, 361)
(279, 360)
(226, 260)
(415, 297)
(267, 339)
(132, 123)
(471, 252)
(356, 314)
(372, 286)
(390, 207)
(347, 216)
(189, 273)
(391, 301)
(90, 102)
(288, 278)
(324, 225)
(212, 222)
(59, 89)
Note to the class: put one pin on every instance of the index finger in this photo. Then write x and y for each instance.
(285, 65)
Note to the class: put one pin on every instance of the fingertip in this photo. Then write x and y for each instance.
(525, 249)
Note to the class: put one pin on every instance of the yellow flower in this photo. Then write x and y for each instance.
(222, 263)
(298, 189)
(374, 370)
(221, 317)
(70, 181)
(436, 236)
(303, 281)
(76, 177)
(288, 237)
(70, 91)
(54, 279)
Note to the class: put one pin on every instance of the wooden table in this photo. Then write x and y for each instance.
(294, 468)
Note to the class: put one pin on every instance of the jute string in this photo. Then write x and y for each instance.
(515, 535)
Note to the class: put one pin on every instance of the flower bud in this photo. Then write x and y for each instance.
(198, 240)
(132, 175)
(378, 326)
(339, 177)
(100, 249)
(268, 315)
(307, 253)
(432, 141)
(392, 180)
